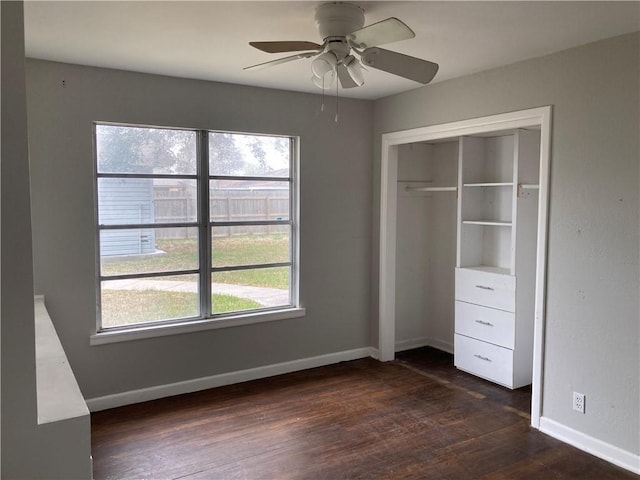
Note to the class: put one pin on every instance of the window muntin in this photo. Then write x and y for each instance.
(156, 236)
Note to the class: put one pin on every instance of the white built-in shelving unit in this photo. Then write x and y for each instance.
(496, 253)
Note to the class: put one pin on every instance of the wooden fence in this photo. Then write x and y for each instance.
(259, 206)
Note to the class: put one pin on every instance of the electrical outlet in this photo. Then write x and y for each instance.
(578, 402)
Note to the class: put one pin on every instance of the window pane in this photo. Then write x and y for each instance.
(250, 245)
(140, 300)
(255, 288)
(240, 200)
(126, 201)
(145, 150)
(148, 250)
(248, 155)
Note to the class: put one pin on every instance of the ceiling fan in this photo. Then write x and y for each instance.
(348, 45)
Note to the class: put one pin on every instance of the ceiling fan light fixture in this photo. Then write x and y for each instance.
(323, 64)
(325, 81)
(355, 70)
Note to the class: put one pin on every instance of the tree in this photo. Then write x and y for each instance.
(123, 149)
(260, 155)
(145, 150)
(282, 146)
(225, 158)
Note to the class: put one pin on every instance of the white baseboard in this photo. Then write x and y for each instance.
(606, 451)
(152, 393)
(412, 343)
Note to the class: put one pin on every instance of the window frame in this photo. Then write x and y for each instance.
(206, 318)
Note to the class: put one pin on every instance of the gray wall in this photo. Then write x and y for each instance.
(592, 336)
(19, 411)
(336, 197)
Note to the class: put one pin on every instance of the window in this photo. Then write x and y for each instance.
(193, 225)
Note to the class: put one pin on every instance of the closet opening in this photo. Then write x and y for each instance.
(463, 245)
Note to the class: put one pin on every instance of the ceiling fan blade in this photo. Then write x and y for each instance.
(286, 46)
(279, 61)
(345, 78)
(399, 64)
(385, 31)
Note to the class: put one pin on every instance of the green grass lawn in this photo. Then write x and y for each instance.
(182, 254)
(249, 249)
(122, 307)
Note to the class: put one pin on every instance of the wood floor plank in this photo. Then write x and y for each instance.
(417, 417)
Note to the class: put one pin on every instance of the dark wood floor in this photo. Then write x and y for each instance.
(417, 417)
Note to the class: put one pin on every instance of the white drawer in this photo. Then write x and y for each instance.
(484, 360)
(485, 288)
(488, 324)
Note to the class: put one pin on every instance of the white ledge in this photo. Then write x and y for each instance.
(141, 332)
(59, 397)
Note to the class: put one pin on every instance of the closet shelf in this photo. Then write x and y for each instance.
(488, 269)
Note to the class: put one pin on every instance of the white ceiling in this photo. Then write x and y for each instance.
(209, 40)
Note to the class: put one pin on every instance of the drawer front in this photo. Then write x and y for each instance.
(488, 289)
(488, 324)
(484, 360)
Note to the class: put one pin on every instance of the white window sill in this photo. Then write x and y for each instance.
(161, 330)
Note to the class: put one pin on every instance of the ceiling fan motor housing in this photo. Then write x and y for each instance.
(338, 19)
